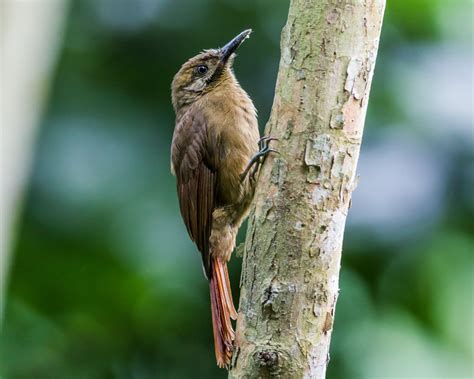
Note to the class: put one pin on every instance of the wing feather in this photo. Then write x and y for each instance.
(196, 180)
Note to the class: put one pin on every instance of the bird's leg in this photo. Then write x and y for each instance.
(257, 160)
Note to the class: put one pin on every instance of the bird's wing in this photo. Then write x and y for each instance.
(196, 179)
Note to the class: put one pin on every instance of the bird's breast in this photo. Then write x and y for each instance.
(233, 119)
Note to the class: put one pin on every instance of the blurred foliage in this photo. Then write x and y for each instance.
(104, 281)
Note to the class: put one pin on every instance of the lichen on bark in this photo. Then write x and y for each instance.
(290, 274)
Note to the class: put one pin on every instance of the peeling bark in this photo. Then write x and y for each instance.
(290, 274)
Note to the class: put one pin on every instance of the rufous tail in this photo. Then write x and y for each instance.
(223, 310)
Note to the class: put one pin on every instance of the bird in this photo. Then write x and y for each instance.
(216, 153)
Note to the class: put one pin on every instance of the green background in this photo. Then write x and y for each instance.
(104, 281)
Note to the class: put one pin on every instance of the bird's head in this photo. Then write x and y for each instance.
(204, 72)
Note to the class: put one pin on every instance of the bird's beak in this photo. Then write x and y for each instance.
(233, 45)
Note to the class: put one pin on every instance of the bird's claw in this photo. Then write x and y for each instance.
(257, 160)
(264, 141)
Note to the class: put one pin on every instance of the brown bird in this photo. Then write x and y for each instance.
(215, 155)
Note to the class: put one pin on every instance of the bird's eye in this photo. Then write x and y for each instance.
(201, 70)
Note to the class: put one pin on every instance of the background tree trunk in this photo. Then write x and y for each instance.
(30, 34)
(290, 274)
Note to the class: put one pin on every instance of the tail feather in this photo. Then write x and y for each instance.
(224, 281)
(223, 310)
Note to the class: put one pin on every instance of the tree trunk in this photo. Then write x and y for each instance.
(290, 273)
(30, 33)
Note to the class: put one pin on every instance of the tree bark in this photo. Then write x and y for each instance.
(290, 273)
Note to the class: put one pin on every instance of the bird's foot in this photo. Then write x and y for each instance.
(257, 160)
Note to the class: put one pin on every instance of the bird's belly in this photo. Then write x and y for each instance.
(237, 153)
(230, 187)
